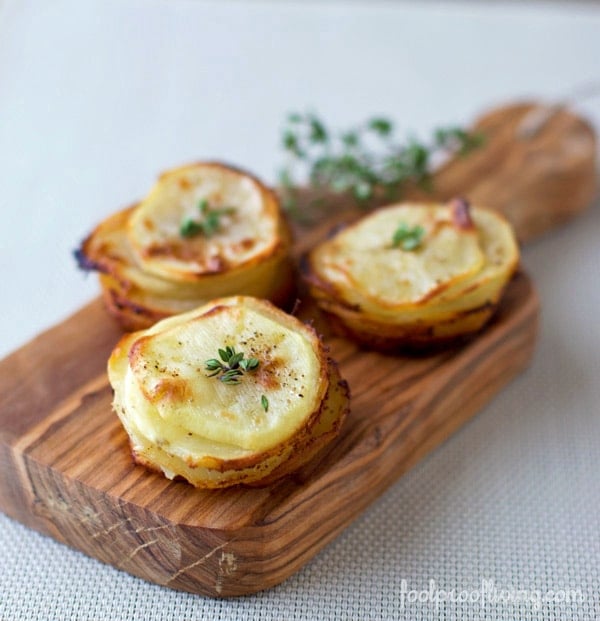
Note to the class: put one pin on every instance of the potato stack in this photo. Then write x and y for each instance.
(414, 275)
(204, 231)
(236, 391)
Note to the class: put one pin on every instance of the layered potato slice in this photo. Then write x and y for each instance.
(185, 420)
(205, 231)
(444, 287)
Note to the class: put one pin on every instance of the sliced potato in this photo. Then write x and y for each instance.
(222, 466)
(137, 308)
(361, 262)
(149, 270)
(214, 434)
(447, 287)
(247, 231)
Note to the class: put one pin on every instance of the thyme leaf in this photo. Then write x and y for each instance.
(408, 238)
(209, 222)
(365, 161)
(232, 366)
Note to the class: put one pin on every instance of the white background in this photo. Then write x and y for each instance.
(97, 97)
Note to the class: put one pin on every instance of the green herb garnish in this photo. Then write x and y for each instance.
(265, 403)
(365, 161)
(209, 223)
(232, 365)
(190, 228)
(408, 238)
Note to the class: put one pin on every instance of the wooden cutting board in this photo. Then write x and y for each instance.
(66, 470)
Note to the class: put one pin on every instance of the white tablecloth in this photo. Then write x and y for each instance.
(97, 97)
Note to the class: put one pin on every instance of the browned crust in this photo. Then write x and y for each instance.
(461, 214)
(133, 316)
(421, 339)
(94, 256)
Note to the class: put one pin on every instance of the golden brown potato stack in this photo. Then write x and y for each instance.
(414, 275)
(236, 391)
(204, 231)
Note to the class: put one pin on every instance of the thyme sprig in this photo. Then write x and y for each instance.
(366, 161)
(408, 238)
(232, 365)
(209, 223)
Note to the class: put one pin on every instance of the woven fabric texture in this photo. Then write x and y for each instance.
(95, 98)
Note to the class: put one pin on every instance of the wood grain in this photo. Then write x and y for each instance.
(66, 469)
(537, 166)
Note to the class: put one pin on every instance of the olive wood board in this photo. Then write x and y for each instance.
(66, 469)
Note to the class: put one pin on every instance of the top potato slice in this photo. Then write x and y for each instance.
(499, 245)
(362, 263)
(108, 249)
(150, 433)
(134, 410)
(168, 365)
(248, 216)
(462, 263)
